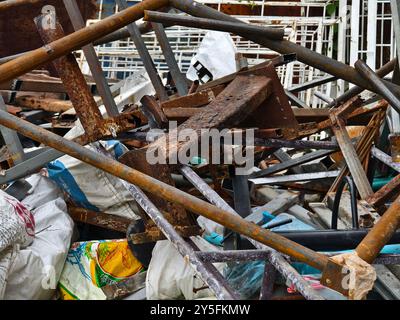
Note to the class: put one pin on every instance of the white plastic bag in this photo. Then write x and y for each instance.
(170, 276)
(17, 229)
(35, 269)
(216, 55)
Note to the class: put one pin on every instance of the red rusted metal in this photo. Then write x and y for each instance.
(86, 108)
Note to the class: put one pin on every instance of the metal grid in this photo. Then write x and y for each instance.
(372, 38)
(120, 59)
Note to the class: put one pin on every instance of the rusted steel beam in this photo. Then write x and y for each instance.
(380, 234)
(74, 82)
(99, 219)
(180, 114)
(305, 55)
(76, 40)
(275, 111)
(194, 100)
(86, 108)
(353, 162)
(152, 110)
(386, 193)
(47, 104)
(179, 79)
(103, 88)
(145, 56)
(363, 146)
(378, 84)
(168, 192)
(210, 24)
(381, 72)
(276, 62)
(181, 108)
(241, 97)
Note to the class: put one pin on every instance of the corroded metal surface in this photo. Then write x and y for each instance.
(386, 193)
(176, 214)
(74, 82)
(86, 108)
(380, 234)
(18, 31)
(165, 191)
(76, 40)
(99, 219)
(171, 19)
(239, 100)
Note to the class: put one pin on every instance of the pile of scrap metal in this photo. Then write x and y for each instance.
(289, 211)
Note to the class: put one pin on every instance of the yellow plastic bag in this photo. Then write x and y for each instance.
(93, 265)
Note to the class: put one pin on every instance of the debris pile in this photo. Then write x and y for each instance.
(217, 184)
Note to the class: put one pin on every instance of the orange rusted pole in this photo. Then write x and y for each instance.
(32, 59)
(380, 234)
(165, 191)
(74, 82)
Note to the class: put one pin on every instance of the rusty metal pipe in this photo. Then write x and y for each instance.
(29, 61)
(10, 4)
(380, 234)
(123, 34)
(115, 36)
(381, 72)
(210, 24)
(379, 85)
(305, 55)
(165, 191)
(74, 81)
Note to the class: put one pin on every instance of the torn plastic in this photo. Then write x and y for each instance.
(361, 277)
